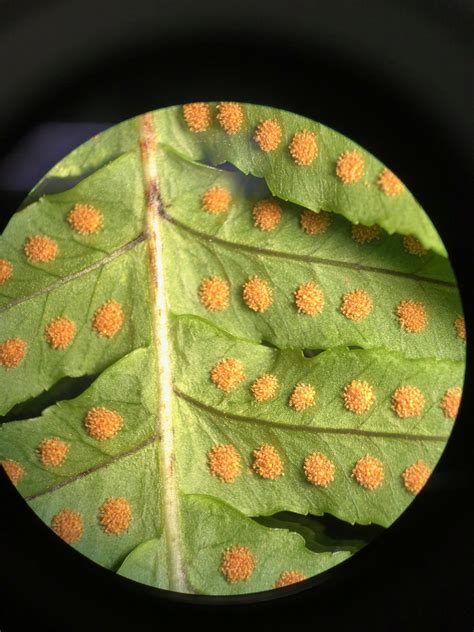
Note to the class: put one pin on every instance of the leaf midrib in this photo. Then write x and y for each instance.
(169, 501)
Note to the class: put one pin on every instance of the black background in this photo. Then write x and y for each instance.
(394, 76)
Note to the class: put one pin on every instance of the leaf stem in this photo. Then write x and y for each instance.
(169, 491)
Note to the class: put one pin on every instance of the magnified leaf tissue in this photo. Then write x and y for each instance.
(231, 348)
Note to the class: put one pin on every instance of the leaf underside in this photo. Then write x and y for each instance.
(147, 177)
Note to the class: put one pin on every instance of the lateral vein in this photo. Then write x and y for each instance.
(336, 263)
(75, 275)
(94, 468)
(309, 429)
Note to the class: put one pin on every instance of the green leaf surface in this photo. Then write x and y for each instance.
(315, 187)
(147, 177)
(203, 545)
